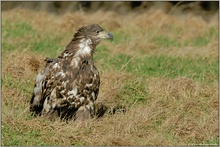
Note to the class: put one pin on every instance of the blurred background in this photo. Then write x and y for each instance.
(203, 8)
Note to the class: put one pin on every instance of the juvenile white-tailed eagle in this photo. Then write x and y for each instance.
(69, 85)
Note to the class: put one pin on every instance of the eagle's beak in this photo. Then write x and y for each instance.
(105, 35)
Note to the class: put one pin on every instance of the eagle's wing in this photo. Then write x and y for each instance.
(43, 85)
(65, 87)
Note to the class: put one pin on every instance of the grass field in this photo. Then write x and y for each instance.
(162, 68)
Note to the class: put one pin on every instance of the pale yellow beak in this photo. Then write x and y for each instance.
(105, 35)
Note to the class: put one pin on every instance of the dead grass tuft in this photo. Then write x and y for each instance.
(111, 84)
(174, 88)
(187, 106)
(26, 62)
(179, 88)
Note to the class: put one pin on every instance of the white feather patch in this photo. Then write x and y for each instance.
(88, 85)
(81, 99)
(93, 95)
(84, 47)
(46, 108)
(56, 65)
(72, 92)
(75, 61)
(39, 78)
(60, 73)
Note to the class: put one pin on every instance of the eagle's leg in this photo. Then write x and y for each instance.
(82, 114)
(85, 112)
(54, 115)
(49, 109)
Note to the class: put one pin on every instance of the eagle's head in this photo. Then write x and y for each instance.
(85, 40)
(93, 32)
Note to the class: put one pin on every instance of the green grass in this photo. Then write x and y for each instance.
(199, 69)
(17, 29)
(203, 40)
(21, 36)
(15, 36)
(134, 93)
(120, 37)
(20, 135)
(213, 141)
(164, 41)
(47, 44)
(11, 82)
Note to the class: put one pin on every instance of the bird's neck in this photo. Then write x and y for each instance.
(85, 48)
(79, 50)
(79, 47)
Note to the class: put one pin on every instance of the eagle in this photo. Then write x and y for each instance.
(68, 85)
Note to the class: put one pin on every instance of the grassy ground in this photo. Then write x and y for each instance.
(162, 68)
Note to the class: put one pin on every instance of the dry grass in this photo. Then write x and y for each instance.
(170, 111)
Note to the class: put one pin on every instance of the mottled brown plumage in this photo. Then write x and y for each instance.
(69, 85)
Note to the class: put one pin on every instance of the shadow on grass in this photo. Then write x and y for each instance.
(102, 109)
